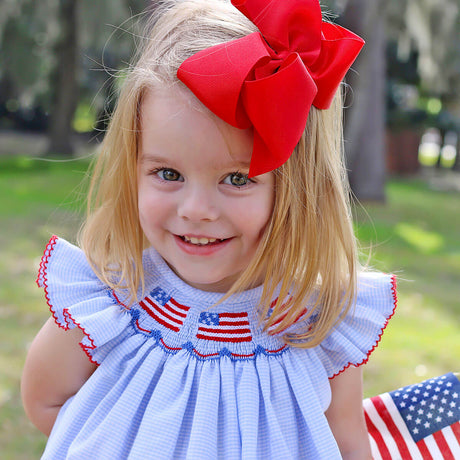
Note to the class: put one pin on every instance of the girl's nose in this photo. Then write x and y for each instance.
(198, 204)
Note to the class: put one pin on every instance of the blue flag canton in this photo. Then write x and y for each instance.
(429, 406)
(160, 296)
(210, 319)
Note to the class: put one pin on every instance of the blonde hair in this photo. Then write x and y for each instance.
(308, 250)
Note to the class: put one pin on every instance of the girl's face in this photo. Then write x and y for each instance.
(197, 207)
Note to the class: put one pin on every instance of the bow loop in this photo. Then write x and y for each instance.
(292, 25)
(269, 80)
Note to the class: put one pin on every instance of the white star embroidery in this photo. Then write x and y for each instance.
(420, 412)
(450, 414)
(415, 431)
(452, 404)
(432, 406)
(429, 415)
(414, 399)
(438, 419)
(418, 421)
(427, 424)
(411, 408)
(441, 410)
(449, 384)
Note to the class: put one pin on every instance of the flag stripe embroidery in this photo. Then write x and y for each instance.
(224, 327)
(416, 422)
(164, 309)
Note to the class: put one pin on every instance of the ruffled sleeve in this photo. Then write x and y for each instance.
(77, 298)
(353, 340)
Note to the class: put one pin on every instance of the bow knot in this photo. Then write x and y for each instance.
(269, 79)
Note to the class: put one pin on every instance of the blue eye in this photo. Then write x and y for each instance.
(237, 179)
(169, 175)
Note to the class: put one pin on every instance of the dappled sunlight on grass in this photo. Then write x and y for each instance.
(421, 240)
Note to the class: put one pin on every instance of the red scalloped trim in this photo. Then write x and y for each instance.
(366, 359)
(43, 277)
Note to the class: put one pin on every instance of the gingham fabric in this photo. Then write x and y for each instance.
(180, 378)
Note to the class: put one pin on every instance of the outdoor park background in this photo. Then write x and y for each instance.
(60, 64)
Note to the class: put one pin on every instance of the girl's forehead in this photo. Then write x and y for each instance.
(172, 119)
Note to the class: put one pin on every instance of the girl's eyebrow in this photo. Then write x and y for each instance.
(149, 157)
(146, 157)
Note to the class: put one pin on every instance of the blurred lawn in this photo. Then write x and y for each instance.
(415, 235)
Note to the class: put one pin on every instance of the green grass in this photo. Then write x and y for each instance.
(415, 235)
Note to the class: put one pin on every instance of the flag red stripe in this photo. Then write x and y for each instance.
(178, 305)
(233, 315)
(225, 339)
(233, 323)
(224, 331)
(166, 307)
(422, 447)
(141, 328)
(157, 318)
(443, 446)
(383, 449)
(162, 312)
(392, 428)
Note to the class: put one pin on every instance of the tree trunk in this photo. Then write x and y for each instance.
(365, 117)
(66, 87)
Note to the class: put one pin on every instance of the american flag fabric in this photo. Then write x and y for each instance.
(420, 421)
(224, 327)
(164, 309)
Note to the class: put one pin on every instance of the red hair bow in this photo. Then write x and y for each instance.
(269, 80)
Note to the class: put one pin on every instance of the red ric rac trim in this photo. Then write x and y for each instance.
(43, 278)
(366, 359)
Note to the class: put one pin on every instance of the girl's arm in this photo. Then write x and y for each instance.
(346, 415)
(56, 368)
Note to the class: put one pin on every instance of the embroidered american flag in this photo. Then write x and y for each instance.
(164, 309)
(285, 305)
(224, 327)
(419, 421)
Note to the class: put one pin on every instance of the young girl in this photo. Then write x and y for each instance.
(216, 308)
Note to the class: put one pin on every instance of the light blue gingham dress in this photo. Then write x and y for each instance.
(178, 379)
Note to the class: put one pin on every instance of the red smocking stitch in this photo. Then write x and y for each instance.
(118, 300)
(141, 328)
(237, 355)
(366, 359)
(277, 351)
(204, 356)
(170, 348)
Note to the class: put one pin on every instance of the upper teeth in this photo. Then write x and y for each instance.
(194, 240)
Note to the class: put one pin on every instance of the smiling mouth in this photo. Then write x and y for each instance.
(202, 241)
